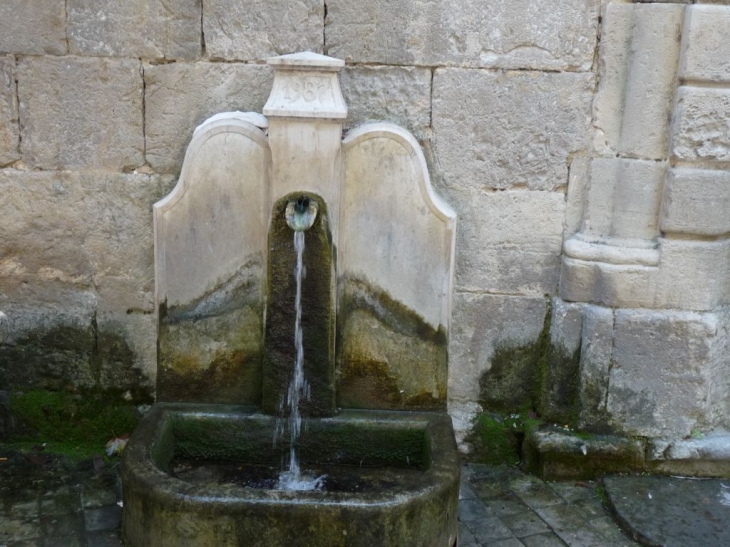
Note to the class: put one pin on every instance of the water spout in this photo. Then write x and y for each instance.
(301, 213)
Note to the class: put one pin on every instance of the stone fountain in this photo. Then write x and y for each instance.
(369, 306)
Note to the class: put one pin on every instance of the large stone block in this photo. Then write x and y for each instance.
(494, 349)
(696, 201)
(505, 34)
(661, 380)
(401, 95)
(706, 48)
(95, 233)
(33, 27)
(701, 125)
(181, 96)
(510, 129)
(595, 365)
(694, 275)
(237, 30)
(9, 130)
(135, 28)
(508, 242)
(81, 113)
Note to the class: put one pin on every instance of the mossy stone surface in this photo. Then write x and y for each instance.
(318, 312)
(388, 356)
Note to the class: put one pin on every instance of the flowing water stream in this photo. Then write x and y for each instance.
(293, 479)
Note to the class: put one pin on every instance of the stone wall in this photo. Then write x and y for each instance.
(595, 124)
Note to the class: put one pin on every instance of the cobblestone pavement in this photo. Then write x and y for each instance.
(503, 507)
(45, 502)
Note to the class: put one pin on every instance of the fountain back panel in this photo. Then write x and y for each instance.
(239, 263)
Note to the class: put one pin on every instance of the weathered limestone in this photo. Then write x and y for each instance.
(509, 242)
(246, 31)
(56, 95)
(494, 349)
(595, 365)
(400, 95)
(79, 297)
(210, 309)
(181, 96)
(396, 268)
(701, 126)
(542, 35)
(9, 130)
(661, 385)
(696, 201)
(706, 49)
(140, 28)
(511, 129)
(33, 27)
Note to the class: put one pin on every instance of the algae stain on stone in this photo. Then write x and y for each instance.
(388, 356)
(211, 349)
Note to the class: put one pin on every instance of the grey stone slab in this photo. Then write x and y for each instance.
(561, 517)
(534, 492)
(608, 528)
(512, 542)
(525, 524)
(490, 135)
(583, 538)
(572, 492)
(237, 30)
(102, 518)
(33, 27)
(104, 539)
(61, 501)
(135, 28)
(672, 511)
(466, 538)
(472, 510)
(181, 96)
(81, 112)
(507, 505)
(543, 540)
(64, 541)
(91, 498)
(465, 492)
(489, 529)
(519, 34)
(63, 525)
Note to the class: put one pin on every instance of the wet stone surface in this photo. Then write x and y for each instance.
(676, 512)
(46, 501)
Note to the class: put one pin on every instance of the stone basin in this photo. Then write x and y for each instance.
(417, 507)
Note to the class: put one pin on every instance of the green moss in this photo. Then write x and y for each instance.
(74, 420)
(497, 439)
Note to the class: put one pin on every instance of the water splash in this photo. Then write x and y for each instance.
(298, 388)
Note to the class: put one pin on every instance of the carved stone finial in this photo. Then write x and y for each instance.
(306, 86)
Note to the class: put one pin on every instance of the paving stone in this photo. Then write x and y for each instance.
(589, 508)
(60, 501)
(38, 542)
(65, 541)
(672, 511)
(506, 505)
(470, 510)
(525, 524)
(67, 525)
(512, 542)
(561, 517)
(571, 492)
(583, 538)
(104, 539)
(25, 510)
(543, 540)
(11, 528)
(610, 530)
(103, 518)
(466, 493)
(534, 492)
(91, 498)
(489, 529)
(466, 538)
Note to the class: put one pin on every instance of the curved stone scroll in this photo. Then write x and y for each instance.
(210, 256)
(395, 275)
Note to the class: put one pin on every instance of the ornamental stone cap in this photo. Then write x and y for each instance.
(305, 60)
(306, 86)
